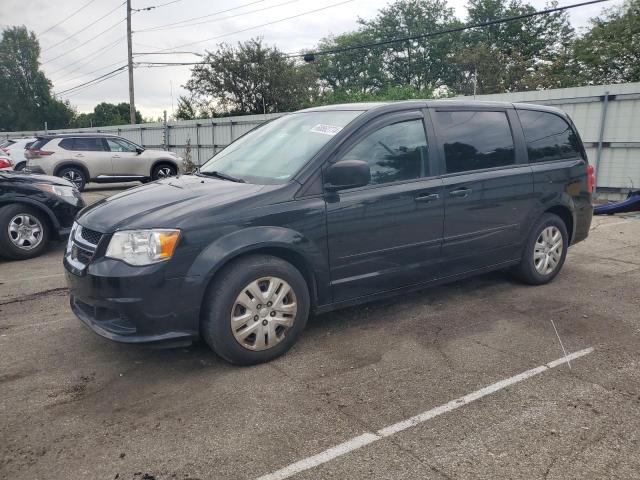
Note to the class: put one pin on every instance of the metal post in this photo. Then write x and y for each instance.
(46, 130)
(213, 136)
(603, 120)
(141, 137)
(165, 131)
(132, 103)
(198, 141)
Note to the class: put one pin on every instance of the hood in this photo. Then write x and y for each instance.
(163, 204)
(158, 153)
(26, 177)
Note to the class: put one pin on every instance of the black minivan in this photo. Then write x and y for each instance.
(329, 207)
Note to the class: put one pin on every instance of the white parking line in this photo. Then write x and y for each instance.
(370, 437)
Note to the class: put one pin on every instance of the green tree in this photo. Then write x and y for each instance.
(105, 114)
(25, 92)
(251, 78)
(510, 56)
(610, 51)
(186, 109)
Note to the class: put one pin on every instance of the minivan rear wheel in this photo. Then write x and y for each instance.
(75, 175)
(544, 252)
(255, 309)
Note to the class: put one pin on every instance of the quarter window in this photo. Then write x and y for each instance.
(66, 143)
(475, 140)
(548, 136)
(394, 153)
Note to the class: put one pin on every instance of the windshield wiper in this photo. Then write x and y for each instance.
(222, 175)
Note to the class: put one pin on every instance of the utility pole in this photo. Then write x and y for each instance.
(132, 103)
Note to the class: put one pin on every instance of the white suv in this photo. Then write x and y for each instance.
(15, 148)
(84, 158)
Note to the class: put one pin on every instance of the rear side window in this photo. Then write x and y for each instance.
(548, 136)
(475, 140)
(87, 144)
(66, 143)
(394, 153)
(39, 143)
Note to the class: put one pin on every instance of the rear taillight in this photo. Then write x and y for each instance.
(591, 178)
(41, 153)
(4, 163)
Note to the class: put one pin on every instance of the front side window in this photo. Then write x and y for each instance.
(475, 140)
(274, 152)
(88, 144)
(394, 153)
(119, 145)
(548, 136)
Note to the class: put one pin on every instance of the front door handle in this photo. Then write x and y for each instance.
(462, 192)
(427, 198)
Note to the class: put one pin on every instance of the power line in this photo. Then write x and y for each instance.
(263, 25)
(92, 81)
(152, 7)
(200, 17)
(67, 18)
(85, 43)
(82, 29)
(156, 29)
(309, 56)
(84, 75)
(94, 84)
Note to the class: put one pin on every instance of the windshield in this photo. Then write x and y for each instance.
(275, 151)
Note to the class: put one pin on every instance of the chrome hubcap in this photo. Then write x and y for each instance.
(165, 172)
(263, 312)
(74, 177)
(25, 231)
(548, 250)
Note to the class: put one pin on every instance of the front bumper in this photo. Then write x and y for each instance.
(132, 304)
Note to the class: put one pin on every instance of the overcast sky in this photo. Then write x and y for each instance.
(71, 57)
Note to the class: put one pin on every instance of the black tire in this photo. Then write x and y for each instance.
(7, 247)
(220, 299)
(526, 271)
(20, 166)
(75, 175)
(163, 170)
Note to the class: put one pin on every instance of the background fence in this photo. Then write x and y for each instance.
(607, 117)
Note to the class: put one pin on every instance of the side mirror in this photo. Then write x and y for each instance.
(139, 150)
(347, 174)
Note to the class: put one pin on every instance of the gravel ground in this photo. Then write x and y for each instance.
(76, 406)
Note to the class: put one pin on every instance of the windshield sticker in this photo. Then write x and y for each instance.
(326, 129)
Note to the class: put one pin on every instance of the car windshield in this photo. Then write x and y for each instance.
(275, 151)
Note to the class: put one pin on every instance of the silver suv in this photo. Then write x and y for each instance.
(84, 158)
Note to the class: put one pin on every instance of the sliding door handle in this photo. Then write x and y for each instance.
(462, 192)
(427, 198)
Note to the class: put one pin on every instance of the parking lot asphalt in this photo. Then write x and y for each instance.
(76, 406)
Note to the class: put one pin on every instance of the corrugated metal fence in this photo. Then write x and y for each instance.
(607, 117)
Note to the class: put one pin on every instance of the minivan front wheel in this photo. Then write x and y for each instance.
(545, 251)
(255, 309)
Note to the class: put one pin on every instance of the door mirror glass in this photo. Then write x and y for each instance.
(347, 174)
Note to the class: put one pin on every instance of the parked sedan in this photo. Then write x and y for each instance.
(34, 209)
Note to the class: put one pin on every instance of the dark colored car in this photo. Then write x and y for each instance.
(330, 207)
(34, 209)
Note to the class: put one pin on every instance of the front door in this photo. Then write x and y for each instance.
(387, 234)
(488, 188)
(125, 158)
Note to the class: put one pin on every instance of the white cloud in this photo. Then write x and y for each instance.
(86, 61)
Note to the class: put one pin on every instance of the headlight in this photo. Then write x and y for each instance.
(68, 193)
(143, 247)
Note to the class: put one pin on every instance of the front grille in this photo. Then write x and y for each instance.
(90, 236)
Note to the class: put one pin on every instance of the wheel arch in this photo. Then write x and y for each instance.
(279, 242)
(82, 167)
(162, 161)
(567, 216)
